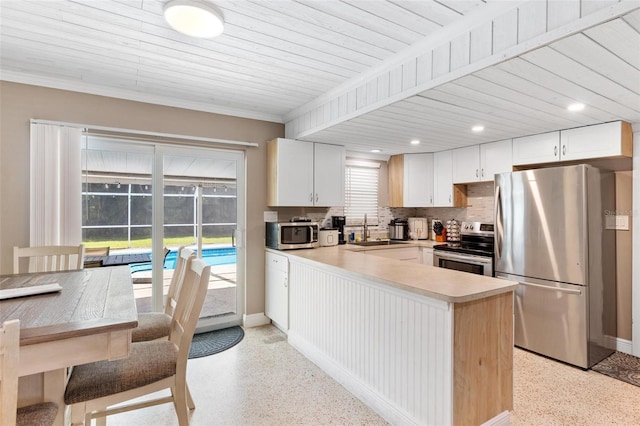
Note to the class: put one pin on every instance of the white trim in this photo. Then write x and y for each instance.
(635, 247)
(112, 92)
(353, 384)
(145, 133)
(502, 419)
(620, 345)
(255, 320)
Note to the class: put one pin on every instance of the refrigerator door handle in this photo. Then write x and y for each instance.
(551, 288)
(498, 235)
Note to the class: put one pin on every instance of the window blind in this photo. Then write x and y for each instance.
(361, 195)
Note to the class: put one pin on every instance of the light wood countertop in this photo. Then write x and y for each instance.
(438, 283)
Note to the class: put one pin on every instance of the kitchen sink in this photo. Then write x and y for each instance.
(378, 243)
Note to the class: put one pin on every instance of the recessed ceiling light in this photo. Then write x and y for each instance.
(576, 107)
(194, 18)
(477, 128)
(415, 142)
(376, 150)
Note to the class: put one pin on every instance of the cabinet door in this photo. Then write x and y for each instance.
(294, 173)
(418, 180)
(427, 256)
(277, 289)
(442, 179)
(542, 148)
(495, 157)
(328, 170)
(602, 140)
(466, 164)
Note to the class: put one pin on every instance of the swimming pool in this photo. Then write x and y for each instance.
(213, 257)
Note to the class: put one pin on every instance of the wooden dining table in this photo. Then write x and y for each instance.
(89, 319)
(116, 259)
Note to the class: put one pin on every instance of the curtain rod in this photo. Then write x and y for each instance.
(145, 133)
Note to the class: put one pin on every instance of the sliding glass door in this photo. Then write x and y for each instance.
(153, 198)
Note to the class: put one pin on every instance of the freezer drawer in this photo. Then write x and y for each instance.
(551, 319)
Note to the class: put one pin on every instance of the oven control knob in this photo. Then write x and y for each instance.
(468, 227)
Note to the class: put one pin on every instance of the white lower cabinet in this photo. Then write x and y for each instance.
(427, 256)
(411, 254)
(277, 289)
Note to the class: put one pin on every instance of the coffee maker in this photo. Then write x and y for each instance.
(338, 222)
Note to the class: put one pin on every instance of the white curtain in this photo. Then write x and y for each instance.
(55, 189)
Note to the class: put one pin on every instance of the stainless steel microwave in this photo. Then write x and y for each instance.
(291, 235)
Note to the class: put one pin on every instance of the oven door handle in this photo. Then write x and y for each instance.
(468, 259)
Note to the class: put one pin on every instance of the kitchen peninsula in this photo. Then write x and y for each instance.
(418, 344)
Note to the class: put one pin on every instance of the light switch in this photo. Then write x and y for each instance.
(617, 222)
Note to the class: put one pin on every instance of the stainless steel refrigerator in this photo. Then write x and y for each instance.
(550, 236)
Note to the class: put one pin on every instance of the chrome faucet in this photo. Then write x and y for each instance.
(365, 237)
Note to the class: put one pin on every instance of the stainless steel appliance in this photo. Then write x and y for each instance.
(551, 238)
(291, 235)
(474, 252)
(399, 229)
(418, 228)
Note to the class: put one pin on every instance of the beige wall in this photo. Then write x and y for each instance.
(624, 182)
(20, 103)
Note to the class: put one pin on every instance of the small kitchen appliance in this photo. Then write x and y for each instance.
(328, 237)
(291, 235)
(418, 228)
(339, 222)
(399, 229)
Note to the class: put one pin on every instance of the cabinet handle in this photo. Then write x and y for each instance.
(316, 197)
(482, 172)
(431, 199)
(476, 172)
(286, 284)
(564, 150)
(449, 197)
(555, 151)
(311, 197)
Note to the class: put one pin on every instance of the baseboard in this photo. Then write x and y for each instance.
(255, 320)
(502, 419)
(357, 387)
(621, 345)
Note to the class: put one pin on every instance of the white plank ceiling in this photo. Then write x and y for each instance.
(278, 55)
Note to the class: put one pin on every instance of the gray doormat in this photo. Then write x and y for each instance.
(620, 366)
(212, 342)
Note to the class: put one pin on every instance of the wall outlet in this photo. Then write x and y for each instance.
(617, 222)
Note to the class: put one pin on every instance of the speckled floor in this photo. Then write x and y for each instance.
(264, 381)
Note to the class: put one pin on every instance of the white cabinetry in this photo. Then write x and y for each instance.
(411, 254)
(478, 163)
(277, 289)
(302, 174)
(418, 180)
(427, 256)
(598, 141)
(466, 164)
(442, 179)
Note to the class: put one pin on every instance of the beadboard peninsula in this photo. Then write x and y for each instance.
(418, 344)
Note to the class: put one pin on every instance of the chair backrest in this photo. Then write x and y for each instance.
(97, 251)
(190, 301)
(49, 258)
(184, 254)
(9, 358)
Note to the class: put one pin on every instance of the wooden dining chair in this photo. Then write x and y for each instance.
(42, 414)
(151, 366)
(49, 258)
(156, 325)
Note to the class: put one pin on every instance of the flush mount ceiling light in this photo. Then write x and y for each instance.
(415, 142)
(376, 150)
(477, 128)
(195, 18)
(576, 107)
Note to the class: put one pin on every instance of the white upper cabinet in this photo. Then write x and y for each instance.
(442, 179)
(479, 163)
(495, 157)
(304, 174)
(328, 175)
(598, 141)
(418, 180)
(542, 148)
(466, 164)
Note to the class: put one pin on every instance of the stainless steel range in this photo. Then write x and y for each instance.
(474, 252)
